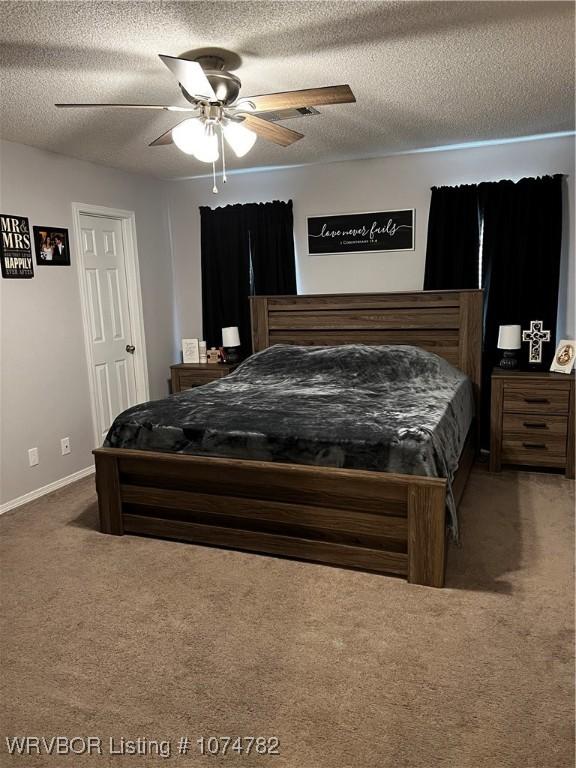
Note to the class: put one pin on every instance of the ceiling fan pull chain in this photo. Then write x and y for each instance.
(214, 188)
(224, 179)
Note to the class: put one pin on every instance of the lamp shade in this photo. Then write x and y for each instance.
(206, 150)
(187, 134)
(240, 139)
(196, 138)
(509, 337)
(230, 337)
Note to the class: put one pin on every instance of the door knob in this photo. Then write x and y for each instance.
(130, 348)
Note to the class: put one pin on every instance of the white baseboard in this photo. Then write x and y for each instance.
(46, 489)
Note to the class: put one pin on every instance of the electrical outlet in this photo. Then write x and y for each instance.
(65, 445)
(33, 457)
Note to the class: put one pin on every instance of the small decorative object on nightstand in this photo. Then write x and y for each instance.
(532, 420)
(190, 351)
(189, 375)
(535, 336)
(213, 356)
(564, 356)
(509, 342)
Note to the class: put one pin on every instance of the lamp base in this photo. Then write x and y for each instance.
(232, 355)
(508, 361)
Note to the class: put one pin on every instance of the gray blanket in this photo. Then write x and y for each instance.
(381, 408)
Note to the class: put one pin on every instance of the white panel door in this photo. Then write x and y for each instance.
(106, 296)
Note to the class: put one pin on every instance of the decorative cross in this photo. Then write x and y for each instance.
(536, 336)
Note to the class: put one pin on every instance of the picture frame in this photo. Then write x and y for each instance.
(564, 356)
(52, 246)
(190, 350)
(361, 232)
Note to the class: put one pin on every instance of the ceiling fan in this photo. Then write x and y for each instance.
(212, 96)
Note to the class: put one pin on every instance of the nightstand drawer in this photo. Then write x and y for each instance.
(547, 452)
(190, 375)
(198, 378)
(529, 398)
(533, 427)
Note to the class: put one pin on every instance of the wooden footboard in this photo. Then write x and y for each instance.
(370, 520)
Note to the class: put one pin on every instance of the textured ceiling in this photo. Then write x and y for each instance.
(424, 74)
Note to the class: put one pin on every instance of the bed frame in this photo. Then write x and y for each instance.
(381, 522)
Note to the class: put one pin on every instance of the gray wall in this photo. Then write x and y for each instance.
(402, 181)
(45, 392)
(44, 383)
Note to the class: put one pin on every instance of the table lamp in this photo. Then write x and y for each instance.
(509, 341)
(231, 344)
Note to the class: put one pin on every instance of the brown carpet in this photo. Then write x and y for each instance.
(135, 637)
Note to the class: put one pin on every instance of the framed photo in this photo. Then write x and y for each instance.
(190, 351)
(361, 232)
(564, 356)
(52, 248)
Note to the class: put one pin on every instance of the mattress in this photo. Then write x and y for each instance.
(381, 408)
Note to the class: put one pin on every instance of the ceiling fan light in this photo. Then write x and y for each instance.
(187, 134)
(196, 138)
(239, 138)
(206, 148)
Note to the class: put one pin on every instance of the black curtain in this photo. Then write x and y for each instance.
(246, 249)
(521, 247)
(225, 258)
(521, 251)
(452, 250)
(272, 248)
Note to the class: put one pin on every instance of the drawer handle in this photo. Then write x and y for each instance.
(542, 400)
(534, 425)
(534, 445)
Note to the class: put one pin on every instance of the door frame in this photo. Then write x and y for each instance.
(136, 317)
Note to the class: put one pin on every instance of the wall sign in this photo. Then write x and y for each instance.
(15, 247)
(361, 232)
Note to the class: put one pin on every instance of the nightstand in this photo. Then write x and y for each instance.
(189, 375)
(532, 420)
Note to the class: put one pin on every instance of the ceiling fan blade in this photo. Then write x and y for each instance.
(310, 97)
(126, 106)
(271, 131)
(164, 139)
(191, 76)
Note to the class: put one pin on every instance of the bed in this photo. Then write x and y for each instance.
(335, 478)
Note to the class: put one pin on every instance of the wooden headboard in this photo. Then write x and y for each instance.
(448, 323)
